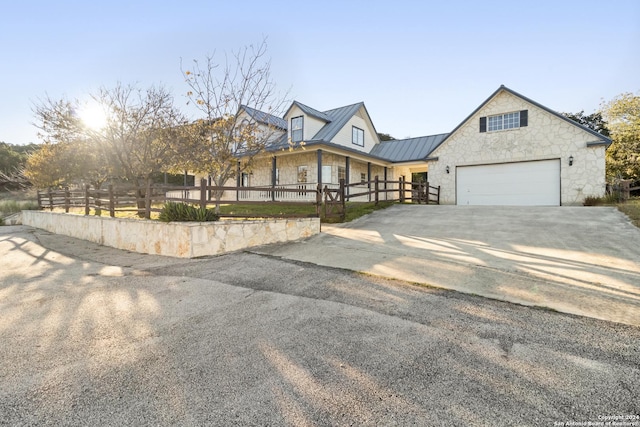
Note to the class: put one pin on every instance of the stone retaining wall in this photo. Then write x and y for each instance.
(176, 239)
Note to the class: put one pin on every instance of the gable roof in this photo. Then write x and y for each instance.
(406, 150)
(309, 111)
(335, 120)
(601, 138)
(266, 118)
(338, 118)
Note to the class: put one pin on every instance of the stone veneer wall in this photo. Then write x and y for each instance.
(176, 239)
(546, 137)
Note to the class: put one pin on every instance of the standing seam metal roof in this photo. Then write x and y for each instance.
(405, 150)
(339, 117)
(310, 111)
(266, 118)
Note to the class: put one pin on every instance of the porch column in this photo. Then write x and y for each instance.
(369, 178)
(274, 168)
(320, 168)
(347, 173)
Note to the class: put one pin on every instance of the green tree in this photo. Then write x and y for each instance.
(623, 117)
(10, 159)
(592, 121)
(385, 137)
(225, 133)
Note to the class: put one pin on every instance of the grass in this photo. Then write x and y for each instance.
(15, 201)
(632, 209)
(354, 210)
(357, 209)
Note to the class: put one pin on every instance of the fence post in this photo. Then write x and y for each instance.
(67, 196)
(112, 212)
(401, 189)
(86, 199)
(438, 200)
(376, 187)
(147, 200)
(343, 200)
(203, 193)
(50, 199)
(39, 200)
(318, 199)
(428, 191)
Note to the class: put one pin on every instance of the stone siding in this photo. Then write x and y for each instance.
(546, 137)
(176, 239)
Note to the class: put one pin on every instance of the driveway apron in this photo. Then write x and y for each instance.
(578, 260)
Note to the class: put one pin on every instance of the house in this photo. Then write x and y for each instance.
(510, 150)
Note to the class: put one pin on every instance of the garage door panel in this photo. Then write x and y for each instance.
(517, 184)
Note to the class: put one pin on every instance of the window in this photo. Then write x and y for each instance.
(326, 174)
(297, 124)
(302, 174)
(245, 180)
(277, 176)
(363, 178)
(342, 173)
(504, 121)
(357, 136)
(513, 120)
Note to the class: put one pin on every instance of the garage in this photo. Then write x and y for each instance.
(535, 183)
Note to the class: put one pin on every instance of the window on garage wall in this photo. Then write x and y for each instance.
(505, 121)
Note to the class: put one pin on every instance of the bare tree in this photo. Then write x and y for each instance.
(137, 137)
(228, 136)
(69, 153)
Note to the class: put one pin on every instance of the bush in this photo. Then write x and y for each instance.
(172, 211)
(8, 207)
(592, 201)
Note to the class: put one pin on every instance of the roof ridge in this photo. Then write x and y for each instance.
(344, 106)
(312, 111)
(416, 137)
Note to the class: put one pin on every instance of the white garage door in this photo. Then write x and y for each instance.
(513, 184)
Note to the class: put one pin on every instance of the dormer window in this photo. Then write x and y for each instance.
(297, 125)
(357, 136)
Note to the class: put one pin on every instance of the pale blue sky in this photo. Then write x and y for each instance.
(419, 66)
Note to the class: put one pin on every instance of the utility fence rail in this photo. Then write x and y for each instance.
(144, 201)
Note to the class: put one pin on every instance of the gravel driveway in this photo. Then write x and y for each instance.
(96, 336)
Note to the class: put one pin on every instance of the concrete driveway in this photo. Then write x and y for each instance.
(579, 260)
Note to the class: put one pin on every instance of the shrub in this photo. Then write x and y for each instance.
(13, 206)
(172, 211)
(613, 198)
(592, 201)
(1, 221)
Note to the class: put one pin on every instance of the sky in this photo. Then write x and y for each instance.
(420, 67)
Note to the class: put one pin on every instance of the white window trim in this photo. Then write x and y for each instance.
(512, 118)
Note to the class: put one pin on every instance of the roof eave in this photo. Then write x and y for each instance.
(531, 101)
(599, 143)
